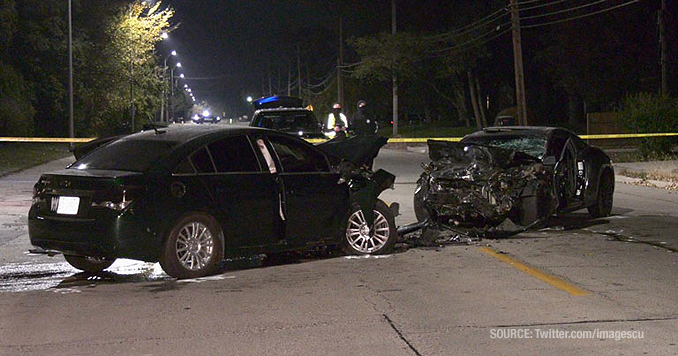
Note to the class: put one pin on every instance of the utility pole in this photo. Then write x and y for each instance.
(518, 64)
(268, 67)
(340, 63)
(394, 78)
(70, 75)
(299, 69)
(289, 78)
(131, 88)
(663, 45)
(308, 78)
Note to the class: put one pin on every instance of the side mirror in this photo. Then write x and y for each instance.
(549, 161)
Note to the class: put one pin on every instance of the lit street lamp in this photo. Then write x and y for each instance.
(164, 71)
(171, 106)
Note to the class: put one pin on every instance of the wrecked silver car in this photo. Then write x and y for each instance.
(507, 179)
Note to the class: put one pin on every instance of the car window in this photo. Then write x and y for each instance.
(296, 157)
(185, 167)
(202, 161)
(534, 146)
(287, 121)
(557, 145)
(125, 155)
(579, 143)
(234, 154)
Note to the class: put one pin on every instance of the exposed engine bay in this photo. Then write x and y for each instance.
(481, 190)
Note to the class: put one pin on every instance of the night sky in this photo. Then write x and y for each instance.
(226, 46)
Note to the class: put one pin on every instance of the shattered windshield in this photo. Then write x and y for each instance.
(532, 145)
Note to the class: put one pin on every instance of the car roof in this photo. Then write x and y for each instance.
(281, 110)
(187, 132)
(545, 131)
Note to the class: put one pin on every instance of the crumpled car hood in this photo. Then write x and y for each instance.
(359, 150)
(475, 186)
(353, 157)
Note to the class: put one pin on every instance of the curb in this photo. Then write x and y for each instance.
(648, 182)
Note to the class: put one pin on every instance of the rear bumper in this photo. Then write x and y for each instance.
(107, 234)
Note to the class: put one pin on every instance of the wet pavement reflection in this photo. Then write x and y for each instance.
(62, 278)
(24, 277)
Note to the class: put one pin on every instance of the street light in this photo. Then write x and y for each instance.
(164, 35)
(164, 71)
(171, 107)
(71, 132)
(249, 99)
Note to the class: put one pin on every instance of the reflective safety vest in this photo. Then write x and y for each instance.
(331, 123)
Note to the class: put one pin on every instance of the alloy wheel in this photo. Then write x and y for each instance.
(194, 246)
(358, 233)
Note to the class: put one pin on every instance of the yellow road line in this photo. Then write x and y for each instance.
(547, 278)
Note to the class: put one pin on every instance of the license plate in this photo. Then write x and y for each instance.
(68, 205)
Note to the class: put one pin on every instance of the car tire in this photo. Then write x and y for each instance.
(359, 241)
(88, 264)
(603, 205)
(193, 248)
(418, 200)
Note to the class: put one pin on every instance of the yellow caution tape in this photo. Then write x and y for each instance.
(390, 140)
(596, 137)
(585, 137)
(45, 139)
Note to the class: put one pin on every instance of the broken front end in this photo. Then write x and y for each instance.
(353, 158)
(483, 190)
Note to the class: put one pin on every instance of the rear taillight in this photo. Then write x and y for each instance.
(38, 189)
(121, 199)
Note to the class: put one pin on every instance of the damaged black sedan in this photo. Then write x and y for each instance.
(190, 196)
(507, 179)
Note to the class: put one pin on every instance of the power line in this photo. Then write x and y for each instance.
(527, 2)
(563, 11)
(542, 5)
(452, 48)
(472, 26)
(327, 77)
(477, 44)
(582, 16)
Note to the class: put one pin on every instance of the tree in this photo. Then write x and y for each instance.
(16, 111)
(129, 52)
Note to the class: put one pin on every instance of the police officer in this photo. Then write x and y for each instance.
(336, 122)
(361, 123)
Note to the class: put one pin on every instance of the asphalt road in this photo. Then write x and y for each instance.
(582, 286)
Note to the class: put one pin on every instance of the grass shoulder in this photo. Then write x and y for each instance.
(16, 156)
